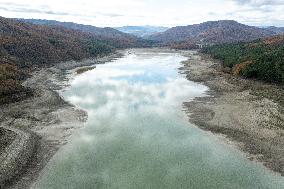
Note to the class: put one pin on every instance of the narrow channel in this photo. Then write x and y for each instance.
(138, 137)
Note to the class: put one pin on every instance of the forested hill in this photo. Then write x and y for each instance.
(212, 32)
(108, 35)
(261, 59)
(24, 46)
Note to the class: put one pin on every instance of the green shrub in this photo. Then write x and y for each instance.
(267, 59)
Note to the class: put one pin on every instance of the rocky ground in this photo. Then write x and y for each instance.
(33, 130)
(249, 112)
(6, 138)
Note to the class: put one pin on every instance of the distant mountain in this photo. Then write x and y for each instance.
(142, 31)
(113, 36)
(212, 32)
(277, 30)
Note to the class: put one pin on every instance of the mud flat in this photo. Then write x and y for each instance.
(248, 112)
(34, 129)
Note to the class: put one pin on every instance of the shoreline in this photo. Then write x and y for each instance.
(45, 120)
(232, 109)
(229, 111)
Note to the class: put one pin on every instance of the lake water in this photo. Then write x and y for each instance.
(138, 137)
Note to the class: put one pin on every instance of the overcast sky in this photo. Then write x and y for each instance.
(147, 12)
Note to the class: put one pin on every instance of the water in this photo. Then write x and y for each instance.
(137, 135)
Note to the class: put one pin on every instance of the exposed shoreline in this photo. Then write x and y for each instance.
(254, 122)
(40, 125)
(47, 120)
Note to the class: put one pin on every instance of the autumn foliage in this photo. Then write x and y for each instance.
(262, 59)
(26, 46)
(237, 69)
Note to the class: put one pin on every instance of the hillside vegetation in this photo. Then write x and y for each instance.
(108, 35)
(25, 46)
(212, 32)
(261, 59)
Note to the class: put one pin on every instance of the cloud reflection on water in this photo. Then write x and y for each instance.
(138, 137)
(137, 88)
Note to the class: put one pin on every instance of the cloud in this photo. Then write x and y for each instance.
(170, 13)
(109, 14)
(259, 12)
(258, 3)
(22, 8)
(28, 10)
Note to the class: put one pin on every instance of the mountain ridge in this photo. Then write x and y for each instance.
(212, 32)
(118, 38)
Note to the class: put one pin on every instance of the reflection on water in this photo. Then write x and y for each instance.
(138, 137)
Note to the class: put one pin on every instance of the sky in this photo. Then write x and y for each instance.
(113, 13)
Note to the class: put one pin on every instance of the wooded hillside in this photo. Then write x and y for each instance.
(25, 46)
(108, 35)
(223, 31)
(261, 59)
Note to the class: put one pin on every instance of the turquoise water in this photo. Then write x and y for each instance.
(137, 135)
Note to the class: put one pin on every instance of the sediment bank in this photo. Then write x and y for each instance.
(34, 129)
(236, 108)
